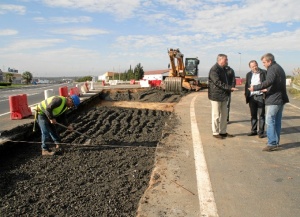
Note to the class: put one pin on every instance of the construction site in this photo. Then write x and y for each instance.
(104, 178)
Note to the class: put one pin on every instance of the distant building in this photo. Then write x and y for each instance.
(16, 78)
(12, 70)
(106, 76)
(156, 75)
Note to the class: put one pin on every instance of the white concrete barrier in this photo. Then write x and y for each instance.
(144, 83)
(83, 89)
(48, 93)
(92, 85)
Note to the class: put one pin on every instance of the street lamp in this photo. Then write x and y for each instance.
(240, 63)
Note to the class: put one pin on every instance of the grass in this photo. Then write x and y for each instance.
(13, 86)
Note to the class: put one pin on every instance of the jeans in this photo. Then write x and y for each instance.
(48, 131)
(273, 121)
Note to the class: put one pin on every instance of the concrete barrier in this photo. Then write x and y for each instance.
(48, 93)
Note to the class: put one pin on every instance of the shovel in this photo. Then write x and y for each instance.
(88, 142)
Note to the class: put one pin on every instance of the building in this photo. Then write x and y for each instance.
(106, 76)
(156, 75)
(16, 78)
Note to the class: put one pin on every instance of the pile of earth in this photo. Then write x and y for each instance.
(105, 177)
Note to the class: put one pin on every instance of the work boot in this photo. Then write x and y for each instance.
(47, 152)
(60, 148)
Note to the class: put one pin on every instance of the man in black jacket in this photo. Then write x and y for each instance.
(256, 99)
(276, 97)
(218, 93)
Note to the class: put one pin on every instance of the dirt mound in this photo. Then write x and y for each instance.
(105, 178)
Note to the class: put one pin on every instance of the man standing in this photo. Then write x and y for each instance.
(231, 82)
(48, 110)
(256, 99)
(218, 94)
(276, 97)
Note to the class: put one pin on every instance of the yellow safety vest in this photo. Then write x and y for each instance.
(55, 112)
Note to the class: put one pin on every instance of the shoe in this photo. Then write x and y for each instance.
(60, 147)
(252, 134)
(261, 136)
(47, 152)
(269, 148)
(227, 135)
(218, 136)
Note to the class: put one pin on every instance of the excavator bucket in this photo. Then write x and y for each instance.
(173, 84)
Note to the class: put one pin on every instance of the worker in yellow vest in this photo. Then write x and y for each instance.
(48, 110)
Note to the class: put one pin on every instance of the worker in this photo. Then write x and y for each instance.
(48, 111)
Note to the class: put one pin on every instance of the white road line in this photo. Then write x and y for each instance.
(4, 114)
(205, 194)
(293, 105)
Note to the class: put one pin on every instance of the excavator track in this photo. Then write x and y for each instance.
(173, 84)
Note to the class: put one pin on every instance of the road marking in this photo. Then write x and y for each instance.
(205, 194)
(293, 105)
(4, 114)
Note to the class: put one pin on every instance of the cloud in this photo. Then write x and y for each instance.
(7, 8)
(79, 31)
(30, 44)
(6, 32)
(63, 20)
(121, 9)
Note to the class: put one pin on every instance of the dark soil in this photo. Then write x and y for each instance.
(107, 177)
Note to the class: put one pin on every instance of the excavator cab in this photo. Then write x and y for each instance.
(191, 66)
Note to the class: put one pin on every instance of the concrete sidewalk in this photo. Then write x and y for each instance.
(245, 180)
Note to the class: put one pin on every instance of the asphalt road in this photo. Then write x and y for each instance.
(198, 175)
(35, 94)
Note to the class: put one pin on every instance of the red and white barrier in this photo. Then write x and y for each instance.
(18, 106)
(74, 91)
(63, 91)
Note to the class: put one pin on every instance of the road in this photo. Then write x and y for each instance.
(35, 94)
(198, 175)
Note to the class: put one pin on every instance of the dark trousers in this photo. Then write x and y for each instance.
(257, 110)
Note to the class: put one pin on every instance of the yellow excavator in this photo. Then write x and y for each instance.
(181, 75)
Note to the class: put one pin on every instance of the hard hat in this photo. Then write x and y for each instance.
(76, 100)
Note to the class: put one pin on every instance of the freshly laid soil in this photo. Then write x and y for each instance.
(104, 176)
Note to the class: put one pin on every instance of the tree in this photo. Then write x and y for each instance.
(138, 72)
(9, 77)
(85, 78)
(27, 76)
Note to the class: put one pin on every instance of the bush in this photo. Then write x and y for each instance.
(5, 84)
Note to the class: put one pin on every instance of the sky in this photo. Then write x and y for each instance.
(53, 38)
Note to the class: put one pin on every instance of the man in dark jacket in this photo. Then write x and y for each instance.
(231, 82)
(256, 99)
(276, 97)
(218, 93)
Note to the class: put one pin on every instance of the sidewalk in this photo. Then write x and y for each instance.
(245, 180)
